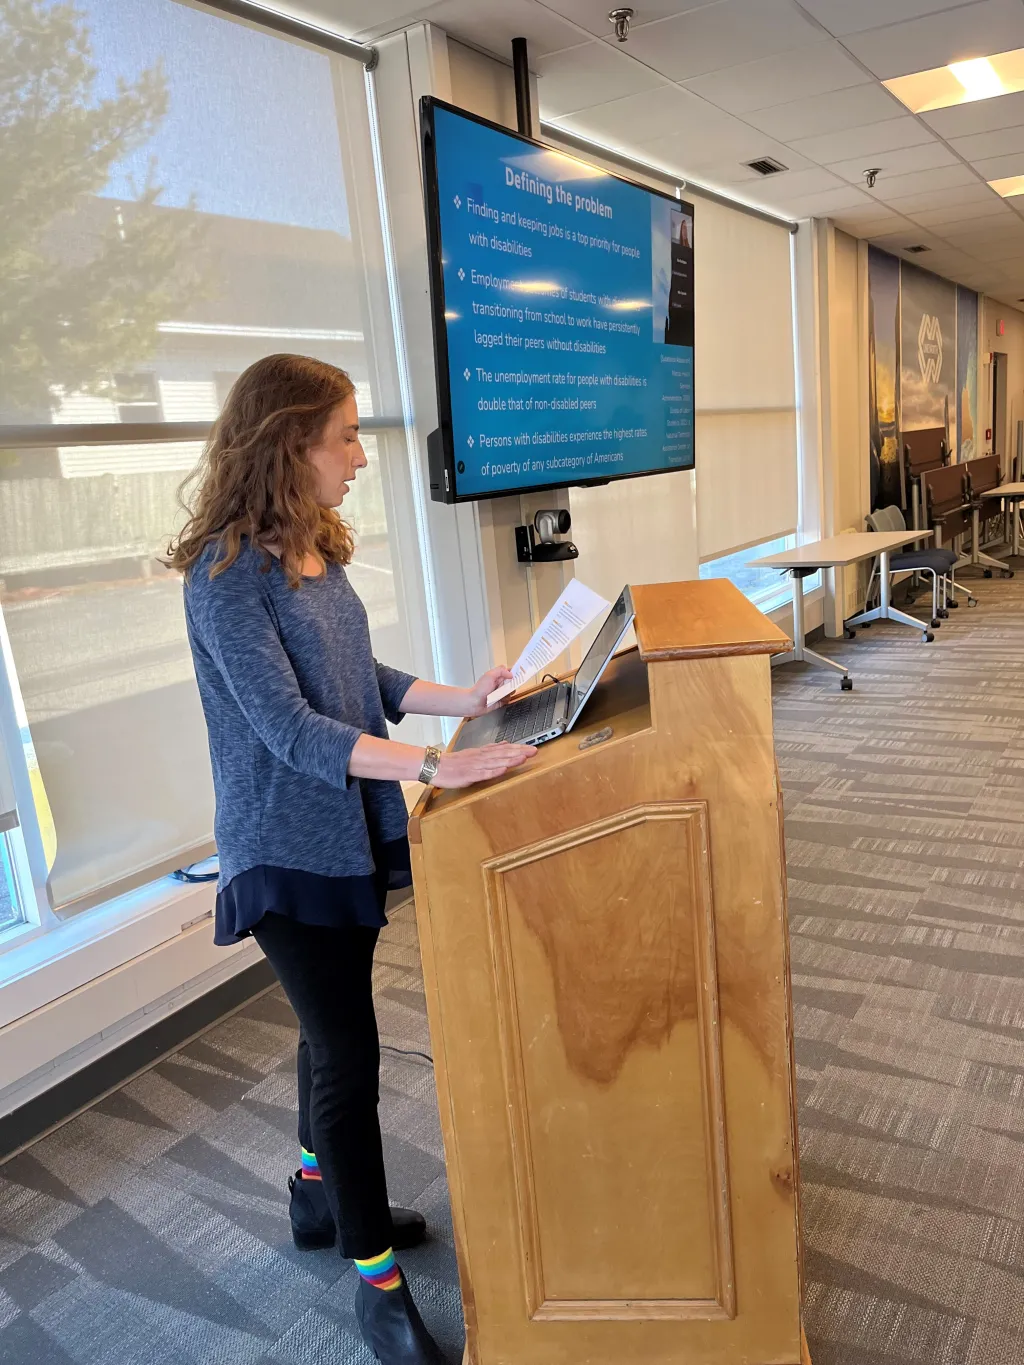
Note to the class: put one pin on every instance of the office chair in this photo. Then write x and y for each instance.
(929, 560)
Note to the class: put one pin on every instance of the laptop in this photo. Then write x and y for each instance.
(552, 711)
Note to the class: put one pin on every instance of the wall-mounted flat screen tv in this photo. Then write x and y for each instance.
(562, 300)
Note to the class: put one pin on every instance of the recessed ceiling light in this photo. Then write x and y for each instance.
(1008, 186)
(979, 78)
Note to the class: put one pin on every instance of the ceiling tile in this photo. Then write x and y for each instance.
(946, 259)
(979, 236)
(997, 167)
(899, 241)
(895, 167)
(823, 205)
(981, 146)
(854, 16)
(727, 169)
(952, 216)
(920, 182)
(704, 146)
(943, 197)
(852, 221)
(827, 113)
(721, 35)
(868, 141)
(637, 119)
(953, 35)
(779, 189)
(594, 17)
(492, 26)
(580, 77)
(813, 70)
(978, 116)
(676, 128)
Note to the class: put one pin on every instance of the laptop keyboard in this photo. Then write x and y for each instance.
(531, 716)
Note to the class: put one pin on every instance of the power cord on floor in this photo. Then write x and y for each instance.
(407, 1052)
(185, 874)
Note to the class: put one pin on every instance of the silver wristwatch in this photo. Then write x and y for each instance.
(431, 763)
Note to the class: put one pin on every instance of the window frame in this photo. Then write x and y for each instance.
(392, 423)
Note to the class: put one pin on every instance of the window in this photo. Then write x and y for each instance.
(227, 210)
(766, 588)
(11, 911)
(745, 382)
(137, 397)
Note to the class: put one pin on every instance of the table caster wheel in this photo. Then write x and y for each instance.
(987, 573)
(846, 684)
(1006, 573)
(972, 601)
(943, 613)
(936, 623)
(850, 634)
(927, 637)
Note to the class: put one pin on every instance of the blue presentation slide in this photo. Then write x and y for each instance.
(569, 313)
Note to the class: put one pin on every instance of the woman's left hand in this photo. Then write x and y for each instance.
(476, 696)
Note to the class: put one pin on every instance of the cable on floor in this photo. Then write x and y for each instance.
(407, 1052)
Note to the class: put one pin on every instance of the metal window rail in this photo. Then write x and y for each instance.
(49, 435)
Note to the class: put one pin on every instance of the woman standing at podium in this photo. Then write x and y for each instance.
(311, 819)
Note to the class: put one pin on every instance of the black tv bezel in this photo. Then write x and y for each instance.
(446, 487)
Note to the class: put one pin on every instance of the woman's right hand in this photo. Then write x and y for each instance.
(466, 766)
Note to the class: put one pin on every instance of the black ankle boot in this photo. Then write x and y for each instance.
(313, 1226)
(392, 1327)
(312, 1221)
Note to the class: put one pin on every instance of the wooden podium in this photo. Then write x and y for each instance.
(607, 976)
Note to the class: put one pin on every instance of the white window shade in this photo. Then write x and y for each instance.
(744, 380)
(284, 254)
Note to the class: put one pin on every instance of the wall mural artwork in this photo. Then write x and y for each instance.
(927, 350)
(883, 362)
(922, 367)
(968, 444)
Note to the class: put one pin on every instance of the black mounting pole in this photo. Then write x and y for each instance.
(521, 76)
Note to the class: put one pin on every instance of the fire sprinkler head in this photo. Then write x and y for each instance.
(621, 18)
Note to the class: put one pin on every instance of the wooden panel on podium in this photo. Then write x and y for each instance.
(604, 945)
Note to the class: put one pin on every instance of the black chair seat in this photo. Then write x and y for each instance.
(939, 561)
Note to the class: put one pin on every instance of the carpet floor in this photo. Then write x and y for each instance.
(152, 1229)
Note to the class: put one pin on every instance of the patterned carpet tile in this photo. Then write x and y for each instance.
(153, 1228)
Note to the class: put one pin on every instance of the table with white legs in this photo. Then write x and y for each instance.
(1012, 494)
(841, 552)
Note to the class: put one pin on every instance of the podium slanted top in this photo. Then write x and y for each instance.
(701, 619)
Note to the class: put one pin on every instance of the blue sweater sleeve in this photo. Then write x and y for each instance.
(393, 686)
(234, 623)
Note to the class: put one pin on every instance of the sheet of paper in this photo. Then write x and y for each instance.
(577, 606)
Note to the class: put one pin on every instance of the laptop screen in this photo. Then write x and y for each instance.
(615, 625)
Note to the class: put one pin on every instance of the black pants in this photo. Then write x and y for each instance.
(327, 977)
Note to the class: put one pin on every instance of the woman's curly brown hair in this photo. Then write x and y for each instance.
(254, 479)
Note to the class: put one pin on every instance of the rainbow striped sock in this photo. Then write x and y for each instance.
(310, 1169)
(381, 1271)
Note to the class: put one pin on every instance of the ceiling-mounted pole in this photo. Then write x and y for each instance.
(521, 76)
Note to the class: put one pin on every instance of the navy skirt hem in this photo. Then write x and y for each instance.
(310, 897)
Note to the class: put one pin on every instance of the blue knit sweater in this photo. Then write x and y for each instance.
(288, 683)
